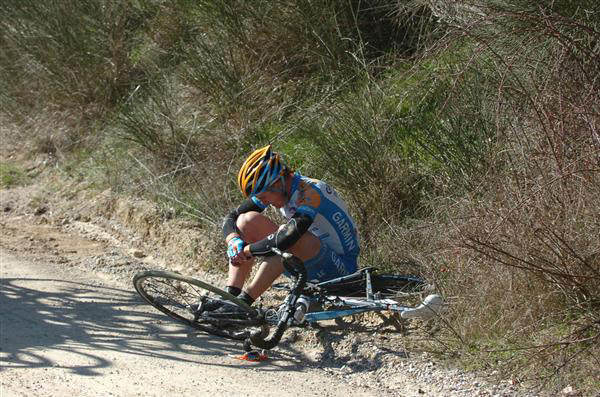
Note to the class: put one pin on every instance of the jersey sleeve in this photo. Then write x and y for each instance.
(229, 222)
(285, 237)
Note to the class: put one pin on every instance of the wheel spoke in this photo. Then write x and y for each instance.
(174, 295)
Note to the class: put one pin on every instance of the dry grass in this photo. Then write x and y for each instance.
(467, 146)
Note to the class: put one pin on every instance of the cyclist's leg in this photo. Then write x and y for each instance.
(254, 227)
(237, 275)
(269, 270)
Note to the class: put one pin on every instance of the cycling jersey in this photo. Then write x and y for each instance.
(313, 206)
(330, 220)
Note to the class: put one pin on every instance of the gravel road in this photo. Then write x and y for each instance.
(67, 332)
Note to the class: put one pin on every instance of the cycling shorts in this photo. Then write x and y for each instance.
(327, 264)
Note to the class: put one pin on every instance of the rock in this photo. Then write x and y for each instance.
(570, 391)
(136, 253)
(40, 211)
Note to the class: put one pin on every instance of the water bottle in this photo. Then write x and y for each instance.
(300, 312)
(302, 305)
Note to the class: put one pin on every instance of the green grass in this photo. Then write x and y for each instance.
(12, 175)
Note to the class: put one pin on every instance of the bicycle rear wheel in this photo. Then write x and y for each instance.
(392, 286)
(175, 295)
(399, 287)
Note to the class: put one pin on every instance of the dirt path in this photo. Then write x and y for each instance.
(65, 332)
(70, 323)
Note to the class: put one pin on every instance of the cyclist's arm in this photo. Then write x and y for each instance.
(230, 229)
(286, 236)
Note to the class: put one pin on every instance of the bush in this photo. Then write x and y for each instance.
(463, 135)
(525, 246)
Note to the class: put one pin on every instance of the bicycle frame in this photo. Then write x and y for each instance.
(357, 306)
(428, 308)
(176, 295)
(371, 304)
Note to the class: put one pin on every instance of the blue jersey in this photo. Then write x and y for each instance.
(331, 222)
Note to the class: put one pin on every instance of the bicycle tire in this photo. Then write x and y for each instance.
(397, 287)
(392, 286)
(403, 289)
(173, 294)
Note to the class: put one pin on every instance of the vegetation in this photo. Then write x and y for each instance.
(464, 135)
(11, 175)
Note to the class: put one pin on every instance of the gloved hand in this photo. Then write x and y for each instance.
(235, 247)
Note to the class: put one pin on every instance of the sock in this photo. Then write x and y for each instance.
(246, 298)
(235, 291)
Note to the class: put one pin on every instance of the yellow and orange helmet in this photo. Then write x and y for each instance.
(260, 170)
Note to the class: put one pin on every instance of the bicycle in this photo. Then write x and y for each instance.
(183, 298)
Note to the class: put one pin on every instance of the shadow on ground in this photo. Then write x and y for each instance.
(43, 317)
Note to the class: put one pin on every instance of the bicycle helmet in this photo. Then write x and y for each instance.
(260, 170)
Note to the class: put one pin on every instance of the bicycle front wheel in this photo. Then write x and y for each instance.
(177, 295)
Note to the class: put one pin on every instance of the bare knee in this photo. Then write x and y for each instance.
(244, 221)
(254, 226)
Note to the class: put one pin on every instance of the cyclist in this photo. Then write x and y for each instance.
(319, 230)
